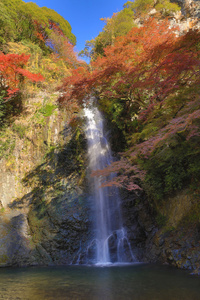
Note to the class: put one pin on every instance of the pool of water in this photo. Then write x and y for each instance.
(135, 282)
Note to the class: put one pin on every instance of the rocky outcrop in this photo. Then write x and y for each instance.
(139, 223)
(186, 19)
(190, 8)
(178, 241)
(53, 234)
(44, 211)
(178, 247)
(170, 237)
(15, 239)
(26, 141)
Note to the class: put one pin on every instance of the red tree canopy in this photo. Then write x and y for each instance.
(149, 69)
(12, 72)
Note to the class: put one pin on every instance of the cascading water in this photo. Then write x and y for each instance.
(111, 241)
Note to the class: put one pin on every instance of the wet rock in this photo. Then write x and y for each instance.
(178, 246)
(196, 272)
(90, 254)
(112, 244)
(62, 229)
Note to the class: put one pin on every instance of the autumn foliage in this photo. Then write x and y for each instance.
(152, 74)
(12, 72)
(148, 59)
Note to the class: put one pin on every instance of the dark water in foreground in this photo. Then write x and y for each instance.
(137, 282)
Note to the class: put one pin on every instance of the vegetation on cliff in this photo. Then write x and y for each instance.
(35, 55)
(36, 52)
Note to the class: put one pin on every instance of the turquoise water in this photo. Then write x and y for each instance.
(136, 282)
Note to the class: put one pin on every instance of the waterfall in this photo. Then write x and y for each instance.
(111, 242)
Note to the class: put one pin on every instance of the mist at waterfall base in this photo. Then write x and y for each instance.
(110, 244)
(136, 282)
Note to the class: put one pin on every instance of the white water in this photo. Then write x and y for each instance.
(111, 237)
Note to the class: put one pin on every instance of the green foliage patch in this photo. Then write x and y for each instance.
(165, 7)
(171, 168)
(27, 21)
(47, 110)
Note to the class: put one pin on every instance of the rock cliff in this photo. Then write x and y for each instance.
(190, 8)
(44, 216)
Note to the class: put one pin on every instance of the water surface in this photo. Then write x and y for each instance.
(136, 282)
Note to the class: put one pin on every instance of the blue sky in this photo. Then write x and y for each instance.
(83, 15)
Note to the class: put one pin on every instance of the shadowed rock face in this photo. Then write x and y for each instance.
(50, 225)
(53, 237)
(15, 238)
(44, 212)
(63, 229)
(177, 242)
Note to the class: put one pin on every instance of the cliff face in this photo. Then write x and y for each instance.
(44, 216)
(27, 139)
(170, 237)
(190, 8)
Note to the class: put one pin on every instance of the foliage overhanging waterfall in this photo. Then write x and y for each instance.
(111, 243)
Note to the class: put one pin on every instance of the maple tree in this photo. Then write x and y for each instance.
(119, 24)
(63, 49)
(122, 22)
(149, 75)
(148, 59)
(12, 72)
